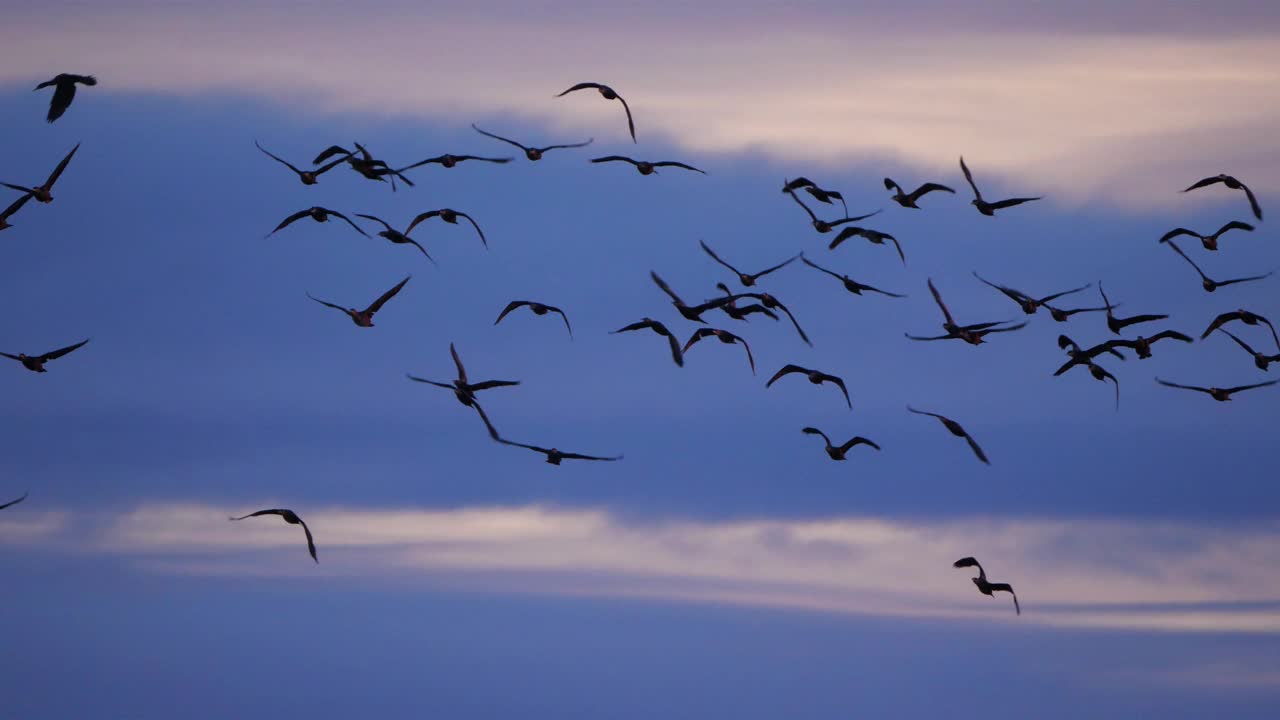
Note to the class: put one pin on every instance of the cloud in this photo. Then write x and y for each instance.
(1042, 106)
(1115, 574)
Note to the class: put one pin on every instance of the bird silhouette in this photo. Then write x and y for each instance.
(319, 214)
(743, 278)
(1232, 184)
(290, 517)
(1243, 316)
(817, 193)
(607, 93)
(1261, 360)
(677, 355)
(1217, 393)
(723, 336)
(875, 237)
(955, 429)
(533, 153)
(35, 363)
(826, 226)
(850, 284)
(44, 193)
(909, 199)
(839, 452)
(450, 216)
(538, 309)
(985, 587)
(463, 389)
(64, 91)
(817, 377)
(646, 167)
(990, 208)
(364, 318)
(308, 177)
(1116, 324)
(1208, 283)
(1210, 242)
(11, 503)
(395, 236)
(1029, 304)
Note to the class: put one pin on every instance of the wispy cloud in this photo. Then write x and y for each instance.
(1083, 573)
(1075, 112)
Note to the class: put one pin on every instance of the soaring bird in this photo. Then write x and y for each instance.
(290, 517)
(1208, 283)
(607, 93)
(989, 208)
(1029, 304)
(1261, 360)
(988, 588)
(1061, 315)
(1098, 372)
(1244, 316)
(555, 456)
(44, 193)
(1080, 356)
(450, 216)
(972, 334)
(690, 312)
(364, 318)
(909, 199)
(363, 162)
(533, 153)
(817, 193)
(1142, 345)
(463, 389)
(850, 284)
(1210, 242)
(744, 278)
(874, 236)
(816, 377)
(64, 91)
(11, 503)
(646, 167)
(449, 161)
(772, 303)
(1233, 184)
(838, 452)
(10, 211)
(826, 226)
(956, 429)
(1116, 324)
(1217, 393)
(650, 324)
(723, 336)
(741, 312)
(397, 237)
(317, 213)
(35, 363)
(538, 309)
(308, 177)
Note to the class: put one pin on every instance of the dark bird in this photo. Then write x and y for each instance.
(363, 162)
(908, 199)
(449, 161)
(816, 377)
(318, 214)
(1116, 324)
(44, 193)
(11, 503)
(1142, 345)
(850, 284)
(650, 324)
(646, 167)
(689, 312)
(364, 318)
(989, 208)
(988, 588)
(464, 390)
(533, 153)
(10, 211)
(555, 456)
(972, 334)
(1061, 315)
(308, 177)
(607, 93)
(1261, 360)
(397, 237)
(1210, 242)
(64, 91)
(956, 429)
(826, 226)
(744, 278)
(537, 308)
(817, 193)
(449, 216)
(1208, 283)
(1029, 304)
(723, 336)
(1079, 356)
(290, 517)
(1233, 184)
(35, 363)
(838, 452)
(1244, 316)
(1219, 394)
(742, 312)
(772, 303)
(874, 236)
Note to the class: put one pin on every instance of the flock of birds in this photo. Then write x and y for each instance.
(736, 305)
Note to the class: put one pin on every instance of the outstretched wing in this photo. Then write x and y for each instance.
(499, 137)
(968, 176)
(331, 151)
(377, 304)
(375, 219)
(279, 159)
(937, 298)
(63, 94)
(786, 370)
(613, 158)
(582, 86)
(415, 378)
(714, 256)
(1253, 201)
(510, 306)
(457, 363)
(292, 219)
(55, 354)
(476, 226)
(1176, 232)
(1205, 182)
(564, 317)
(420, 218)
(662, 285)
(858, 440)
(673, 163)
(57, 172)
(1006, 587)
(843, 389)
(1242, 388)
(311, 543)
(11, 503)
(326, 303)
(1197, 388)
(337, 214)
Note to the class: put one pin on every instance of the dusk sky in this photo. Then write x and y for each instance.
(726, 567)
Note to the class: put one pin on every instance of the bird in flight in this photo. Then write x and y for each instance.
(1244, 316)
(64, 91)
(10, 211)
(744, 278)
(463, 389)
(1232, 184)
(723, 336)
(989, 208)
(972, 334)
(11, 503)
(690, 312)
(874, 236)
(1029, 304)
(44, 193)
(363, 162)
(35, 363)
(826, 226)
(850, 284)
(449, 161)
(397, 237)
(364, 318)
(533, 153)
(909, 199)
(1082, 357)
(290, 517)
(816, 377)
(1217, 393)
(1116, 324)
(1061, 315)
(985, 587)
(538, 309)
(646, 167)
(319, 214)
(1142, 345)
(838, 452)
(308, 177)
(1208, 283)
(607, 93)
(450, 216)
(741, 312)
(1261, 360)
(554, 455)
(772, 303)
(1210, 242)
(677, 354)
(956, 429)
(817, 193)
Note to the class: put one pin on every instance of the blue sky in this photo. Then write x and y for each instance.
(725, 566)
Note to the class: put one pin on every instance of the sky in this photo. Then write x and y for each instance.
(725, 566)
